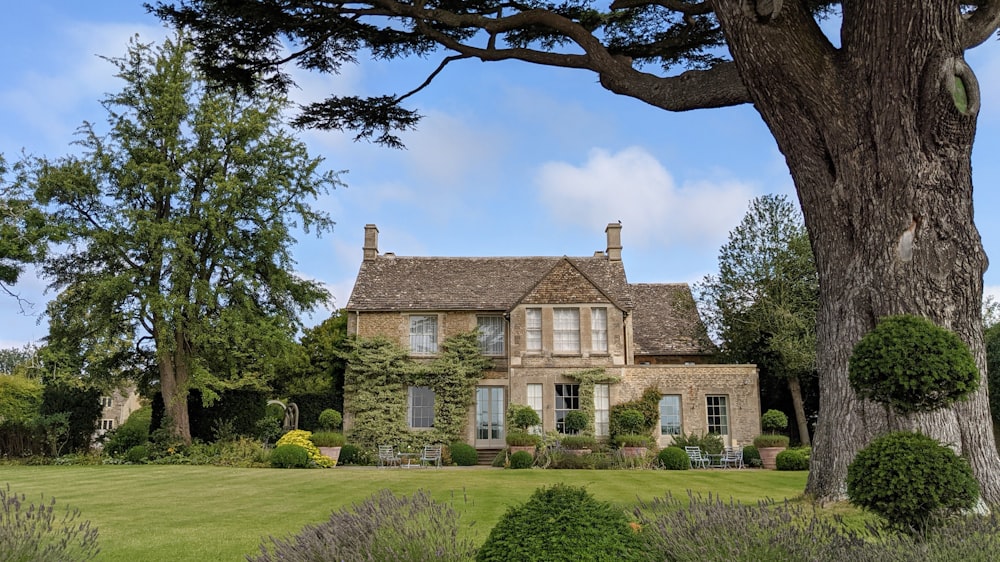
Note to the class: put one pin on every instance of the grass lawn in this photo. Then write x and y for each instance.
(207, 513)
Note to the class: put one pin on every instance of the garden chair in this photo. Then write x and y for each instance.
(431, 455)
(733, 456)
(697, 458)
(387, 456)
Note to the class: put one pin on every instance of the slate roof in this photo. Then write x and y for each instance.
(665, 321)
(389, 283)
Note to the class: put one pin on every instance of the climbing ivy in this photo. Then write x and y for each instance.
(379, 373)
(648, 404)
(587, 379)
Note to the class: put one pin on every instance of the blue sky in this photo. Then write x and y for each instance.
(510, 159)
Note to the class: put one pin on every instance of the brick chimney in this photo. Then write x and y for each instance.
(371, 242)
(614, 232)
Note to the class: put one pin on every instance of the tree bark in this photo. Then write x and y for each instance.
(800, 411)
(878, 138)
(174, 367)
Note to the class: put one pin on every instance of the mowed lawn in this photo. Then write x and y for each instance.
(149, 513)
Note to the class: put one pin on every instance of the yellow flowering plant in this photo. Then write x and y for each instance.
(300, 437)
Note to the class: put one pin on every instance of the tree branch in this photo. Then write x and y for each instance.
(433, 75)
(686, 8)
(981, 24)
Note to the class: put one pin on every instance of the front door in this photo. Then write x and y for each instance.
(490, 408)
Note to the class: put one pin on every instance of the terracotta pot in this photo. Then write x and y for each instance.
(530, 449)
(768, 454)
(331, 452)
(634, 452)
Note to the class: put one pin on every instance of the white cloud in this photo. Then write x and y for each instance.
(633, 187)
(448, 150)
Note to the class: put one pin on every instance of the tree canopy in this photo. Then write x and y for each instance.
(178, 221)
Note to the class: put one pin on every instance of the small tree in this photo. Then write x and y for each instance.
(522, 417)
(575, 422)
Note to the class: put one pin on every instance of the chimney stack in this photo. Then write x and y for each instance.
(371, 242)
(614, 232)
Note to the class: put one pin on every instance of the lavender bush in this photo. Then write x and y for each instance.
(36, 533)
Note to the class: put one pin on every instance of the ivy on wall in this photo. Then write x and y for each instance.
(379, 373)
(648, 405)
(587, 379)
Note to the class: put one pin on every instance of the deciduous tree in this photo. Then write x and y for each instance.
(179, 220)
(876, 128)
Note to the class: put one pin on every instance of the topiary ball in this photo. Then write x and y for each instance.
(912, 365)
(791, 459)
(521, 459)
(289, 456)
(562, 523)
(910, 480)
(330, 419)
(773, 421)
(463, 454)
(674, 458)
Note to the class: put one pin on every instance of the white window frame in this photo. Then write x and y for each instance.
(107, 424)
(420, 407)
(535, 402)
(533, 329)
(717, 413)
(599, 329)
(670, 415)
(423, 334)
(491, 332)
(566, 330)
(602, 409)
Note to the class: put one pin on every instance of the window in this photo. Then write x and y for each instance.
(535, 401)
(423, 334)
(599, 330)
(107, 425)
(490, 335)
(718, 415)
(566, 330)
(567, 399)
(420, 410)
(602, 406)
(533, 325)
(670, 414)
(106, 402)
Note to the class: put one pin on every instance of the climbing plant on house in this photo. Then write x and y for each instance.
(587, 379)
(380, 371)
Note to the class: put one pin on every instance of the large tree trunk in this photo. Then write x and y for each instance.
(795, 388)
(878, 143)
(174, 368)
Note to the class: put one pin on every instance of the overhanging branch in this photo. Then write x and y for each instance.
(981, 24)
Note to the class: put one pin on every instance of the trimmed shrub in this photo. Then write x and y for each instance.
(37, 532)
(770, 440)
(562, 523)
(522, 417)
(463, 454)
(791, 459)
(631, 421)
(138, 454)
(648, 405)
(523, 439)
(351, 454)
(773, 421)
(633, 440)
(289, 456)
(674, 458)
(578, 442)
(911, 480)
(751, 456)
(328, 439)
(383, 527)
(521, 459)
(912, 365)
(575, 422)
(301, 438)
(330, 419)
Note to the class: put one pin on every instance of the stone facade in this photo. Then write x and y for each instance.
(554, 317)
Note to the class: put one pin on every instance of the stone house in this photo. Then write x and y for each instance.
(542, 319)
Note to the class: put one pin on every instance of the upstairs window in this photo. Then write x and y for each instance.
(566, 330)
(533, 327)
(423, 335)
(599, 330)
(490, 335)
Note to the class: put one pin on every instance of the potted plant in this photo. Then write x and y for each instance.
(578, 444)
(575, 422)
(770, 443)
(328, 440)
(522, 417)
(631, 440)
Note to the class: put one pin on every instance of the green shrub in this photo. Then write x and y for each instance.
(630, 420)
(82, 407)
(911, 480)
(773, 421)
(521, 459)
(463, 454)
(561, 523)
(522, 417)
(770, 440)
(578, 442)
(351, 454)
(674, 458)
(648, 405)
(710, 443)
(138, 454)
(289, 456)
(751, 456)
(301, 438)
(575, 421)
(791, 459)
(522, 439)
(633, 440)
(328, 439)
(135, 431)
(330, 419)
(383, 527)
(912, 365)
(36, 532)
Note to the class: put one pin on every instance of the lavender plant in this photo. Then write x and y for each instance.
(36, 533)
